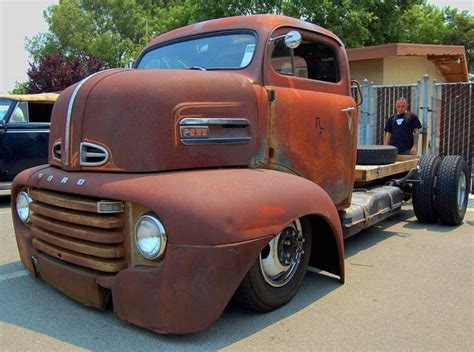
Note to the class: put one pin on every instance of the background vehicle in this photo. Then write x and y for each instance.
(24, 133)
(221, 166)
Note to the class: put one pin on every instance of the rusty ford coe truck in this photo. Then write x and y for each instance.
(219, 167)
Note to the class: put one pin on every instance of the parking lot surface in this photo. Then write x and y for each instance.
(409, 286)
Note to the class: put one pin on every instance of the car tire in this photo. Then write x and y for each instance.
(263, 291)
(452, 190)
(376, 154)
(424, 191)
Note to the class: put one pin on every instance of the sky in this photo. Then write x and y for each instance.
(24, 18)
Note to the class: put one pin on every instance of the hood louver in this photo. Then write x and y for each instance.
(93, 154)
(57, 151)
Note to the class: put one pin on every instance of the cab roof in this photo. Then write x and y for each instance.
(264, 25)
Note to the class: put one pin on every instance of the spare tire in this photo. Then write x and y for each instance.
(376, 154)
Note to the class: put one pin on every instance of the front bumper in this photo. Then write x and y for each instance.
(186, 293)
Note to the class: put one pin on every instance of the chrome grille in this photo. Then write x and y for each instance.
(70, 228)
(93, 154)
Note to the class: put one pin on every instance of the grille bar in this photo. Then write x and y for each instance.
(89, 248)
(64, 201)
(104, 265)
(76, 217)
(77, 231)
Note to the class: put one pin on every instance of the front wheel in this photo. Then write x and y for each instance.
(278, 272)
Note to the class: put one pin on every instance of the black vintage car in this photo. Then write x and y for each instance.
(24, 133)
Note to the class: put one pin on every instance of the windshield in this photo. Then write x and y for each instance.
(5, 105)
(226, 51)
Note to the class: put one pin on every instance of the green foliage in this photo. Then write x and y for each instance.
(115, 31)
(461, 32)
(20, 88)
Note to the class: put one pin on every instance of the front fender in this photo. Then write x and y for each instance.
(204, 207)
(217, 221)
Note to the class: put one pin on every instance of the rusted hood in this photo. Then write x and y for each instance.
(154, 120)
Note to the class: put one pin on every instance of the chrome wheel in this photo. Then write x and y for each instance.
(461, 191)
(279, 261)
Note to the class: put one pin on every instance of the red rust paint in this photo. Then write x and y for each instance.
(220, 204)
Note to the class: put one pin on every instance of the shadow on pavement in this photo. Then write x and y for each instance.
(32, 304)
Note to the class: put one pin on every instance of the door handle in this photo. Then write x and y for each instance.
(349, 109)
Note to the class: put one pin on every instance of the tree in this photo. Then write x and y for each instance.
(461, 32)
(109, 30)
(115, 31)
(20, 88)
(56, 72)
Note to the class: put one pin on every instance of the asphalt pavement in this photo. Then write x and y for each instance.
(408, 286)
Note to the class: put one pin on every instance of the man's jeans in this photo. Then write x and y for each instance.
(408, 152)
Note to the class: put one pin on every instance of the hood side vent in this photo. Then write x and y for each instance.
(93, 154)
(57, 151)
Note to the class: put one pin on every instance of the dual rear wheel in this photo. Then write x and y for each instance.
(443, 190)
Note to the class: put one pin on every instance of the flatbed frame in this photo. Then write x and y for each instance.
(368, 173)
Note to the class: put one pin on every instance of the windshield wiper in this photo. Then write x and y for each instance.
(194, 67)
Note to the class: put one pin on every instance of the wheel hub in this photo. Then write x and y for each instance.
(461, 191)
(279, 261)
(289, 246)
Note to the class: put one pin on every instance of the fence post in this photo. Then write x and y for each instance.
(417, 93)
(424, 135)
(372, 115)
(364, 112)
(434, 108)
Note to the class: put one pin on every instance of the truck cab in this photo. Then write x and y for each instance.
(219, 167)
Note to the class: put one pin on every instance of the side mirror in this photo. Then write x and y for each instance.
(292, 39)
(2, 125)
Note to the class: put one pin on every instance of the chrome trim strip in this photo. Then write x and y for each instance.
(232, 140)
(214, 121)
(67, 134)
(104, 203)
(84, 154)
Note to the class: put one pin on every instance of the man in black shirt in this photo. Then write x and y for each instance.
(402, 129)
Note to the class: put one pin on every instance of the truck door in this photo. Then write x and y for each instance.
(313, 122)
(24, 139)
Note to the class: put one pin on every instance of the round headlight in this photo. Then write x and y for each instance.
(23, 201)
(150, 237)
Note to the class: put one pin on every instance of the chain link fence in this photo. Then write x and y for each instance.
(450, 131)
(453, 115)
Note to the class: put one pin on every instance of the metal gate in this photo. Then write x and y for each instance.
(453, 118)
(379, 104)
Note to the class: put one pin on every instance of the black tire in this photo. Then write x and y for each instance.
(424, 192)
(450, 201)
(376, 154)
(255, 293)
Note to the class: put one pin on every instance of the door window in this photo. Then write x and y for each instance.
(312, 60)
(20, 114)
